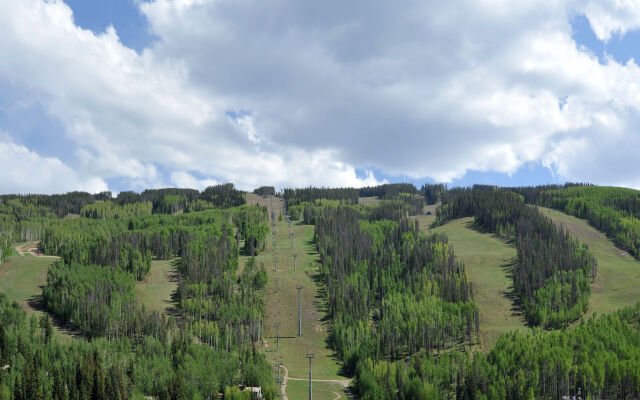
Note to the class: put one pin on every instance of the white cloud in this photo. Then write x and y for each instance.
(24, 171)
(183, 179)
(421, 89)
(611, 17)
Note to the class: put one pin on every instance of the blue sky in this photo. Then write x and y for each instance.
(124, 15)
(621, 48)
(343, 97)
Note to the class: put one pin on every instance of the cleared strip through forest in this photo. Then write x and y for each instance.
(617, 283)
(155, 291)
(22, 278)
(487, 261)
(282, 305)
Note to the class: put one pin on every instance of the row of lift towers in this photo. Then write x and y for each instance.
(309, 354)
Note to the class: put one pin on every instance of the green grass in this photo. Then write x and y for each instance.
(369, 201)
(486, 259)
(299, 390)
(22, 278)
(617, 284)
(155, 290)
(283, 306)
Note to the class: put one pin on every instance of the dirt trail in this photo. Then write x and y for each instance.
(32, 248)
(274, 204)
(344, 382)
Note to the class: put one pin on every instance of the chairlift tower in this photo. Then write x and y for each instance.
(299, 312)
(279, 379)
(310, 356)
(277, 325)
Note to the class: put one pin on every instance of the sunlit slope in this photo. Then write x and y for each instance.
(618, 281)
(22, 277)
(487, 261)
(156, 289)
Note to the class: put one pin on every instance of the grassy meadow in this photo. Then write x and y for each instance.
(22, 278)
(320, 390)
(156, 289)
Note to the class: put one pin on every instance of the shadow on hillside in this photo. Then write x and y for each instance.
(321, 295)
(517, 309)
(36, 303)
(171, 308)
(481, 229)
(312, 245)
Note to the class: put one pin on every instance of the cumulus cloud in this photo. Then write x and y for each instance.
(25, 171)
(612, 17)
(184, 179)
(286, 93)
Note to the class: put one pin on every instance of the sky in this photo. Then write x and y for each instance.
(130, 94)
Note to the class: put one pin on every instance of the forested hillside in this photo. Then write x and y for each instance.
(612, 210)
(598, 359)
(293, 197)
(43, 367)
(5, 248)
(207, 346)
(553, 273)
(402, 318)
(391, 290)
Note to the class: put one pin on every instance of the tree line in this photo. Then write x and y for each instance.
(36, 365)
(388, 191)
(310, 194)
(597, 359)
(131, 243)
(553, 271)
(41, 205)
(110, 209)
(5, 249)
(612, 210)
(265, 191)
(100, 302)
(163, 201)
(433, 192)
(391, 290)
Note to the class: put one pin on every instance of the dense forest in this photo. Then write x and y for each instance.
(553, 272)
(403, 319)
(397, 198)
(294, 197)
(391, 290)
(433, 192)
(129, 242)
(5, 248)
(612, 210)
(597, 359)
(205, 349)
(39, 205)
(100, 302)
(265, 191)
(163, 201)
(110, 209)
(387, 191)
(40, 366)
